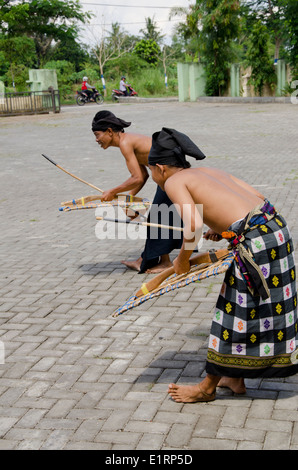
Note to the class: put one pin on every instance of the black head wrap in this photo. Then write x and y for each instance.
(169, 147)
(105, 119)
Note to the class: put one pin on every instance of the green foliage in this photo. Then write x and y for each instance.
(17, 75)
(127, 64)
(220, 27)
(11, 15)
(18, 50)
(18, 55)
(258, 57)
(187, 33)
(148, 50)
(71, 51)
(150, 32)
(44, 21)
(64, 70)
(291, 26)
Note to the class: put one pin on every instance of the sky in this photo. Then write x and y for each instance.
(131, 15)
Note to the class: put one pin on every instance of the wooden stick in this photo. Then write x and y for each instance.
(83, 181)
(145, 224)
(159, 278)
(74, 176)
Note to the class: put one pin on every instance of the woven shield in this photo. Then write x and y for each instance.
(196, 274)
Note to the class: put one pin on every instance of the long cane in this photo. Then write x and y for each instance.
(71, 174)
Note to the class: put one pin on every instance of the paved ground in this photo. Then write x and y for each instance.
(73, 376)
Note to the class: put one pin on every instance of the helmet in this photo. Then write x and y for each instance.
(85, 78)
(123, 77)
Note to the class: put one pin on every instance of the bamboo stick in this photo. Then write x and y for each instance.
(71, 174)
(83, 181)
(145, 224)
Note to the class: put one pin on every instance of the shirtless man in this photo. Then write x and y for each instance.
(108, 131)
(227, 201)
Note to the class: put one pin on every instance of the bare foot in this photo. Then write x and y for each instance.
(236, 385)
(164, 263)
(159, 268)
(135, 265)
(189, 393)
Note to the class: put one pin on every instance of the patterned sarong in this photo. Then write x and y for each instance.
(254, 329)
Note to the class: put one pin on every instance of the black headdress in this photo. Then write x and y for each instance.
(169, 147)
(105, 119)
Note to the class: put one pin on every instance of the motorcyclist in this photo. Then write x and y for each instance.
(85, 88)
(124, 87)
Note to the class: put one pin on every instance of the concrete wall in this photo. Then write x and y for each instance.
(191, 81)
(42, 79)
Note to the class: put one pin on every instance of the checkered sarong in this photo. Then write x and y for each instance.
(252, 336)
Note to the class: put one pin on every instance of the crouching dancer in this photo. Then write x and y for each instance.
(254, 329)
(109, 132)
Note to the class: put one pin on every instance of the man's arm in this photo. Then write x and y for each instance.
(192, 219)
(138, 188)
(135, 182)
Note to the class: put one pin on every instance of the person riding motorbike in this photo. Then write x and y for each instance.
(123, 86)
(85, 88)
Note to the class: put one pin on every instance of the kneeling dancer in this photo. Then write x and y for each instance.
(254, 328)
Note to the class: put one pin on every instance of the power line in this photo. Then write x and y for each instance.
(125, 6)
(135, 22)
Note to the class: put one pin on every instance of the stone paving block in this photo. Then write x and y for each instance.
(112, 438)
(207, 426)
(149, 441)
(179, 435)
(276, 440)
(6, 424)
(197, 443)
(88, 430)
(240, 434)
(57, 440)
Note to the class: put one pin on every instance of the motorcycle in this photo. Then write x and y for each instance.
(83, 98)
(116, 94)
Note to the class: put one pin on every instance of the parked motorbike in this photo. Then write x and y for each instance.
(83, 98)
(116, 94)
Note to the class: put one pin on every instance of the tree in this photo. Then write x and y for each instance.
(271, 14)
(45, 21)
(71, 51)
(151, 33)
(167, 56)
(12, 14)
(220, 27)
(148, 50)
(291, 26)
(188, 31)
(19, 53)
(258, 57)
(211, 27)
(109, 48)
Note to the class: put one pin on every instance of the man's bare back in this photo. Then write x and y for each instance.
(139, 144)
(225, 199)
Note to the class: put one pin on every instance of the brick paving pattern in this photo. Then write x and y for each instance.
(73, 376)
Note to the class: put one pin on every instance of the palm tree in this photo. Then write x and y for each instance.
(151, 32)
